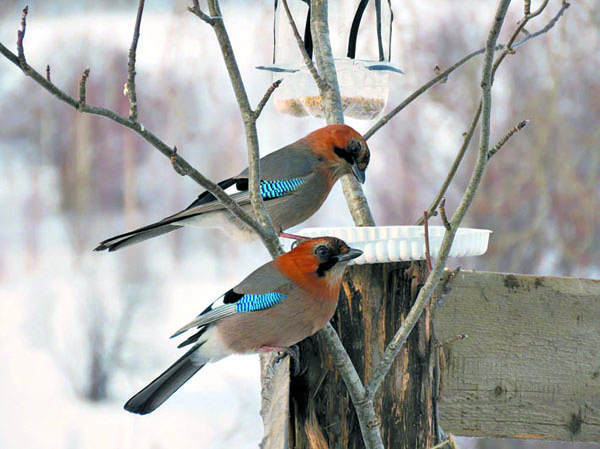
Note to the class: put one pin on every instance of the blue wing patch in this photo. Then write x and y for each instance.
(251, 303)
(275, 189)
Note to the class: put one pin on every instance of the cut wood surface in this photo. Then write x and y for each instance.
(530, 367)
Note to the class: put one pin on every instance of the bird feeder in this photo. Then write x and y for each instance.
(384, 244)
(360, 35)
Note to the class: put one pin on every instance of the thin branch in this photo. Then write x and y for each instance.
(548, 26)
(413, 316)
(417, 93)
(271, 241)
(467, 140)
(427, 250)
(508, 48)
(332, 104)
(443, 75)
(331, 98)
(504, 139)
(457, 161)
(365, 411)
(450, 442)
(195, 9)
(147, 135)
(131, 93)
(443, 215)
(359, 208)
(307, 59)
(82, 91)
(262, 103)
(21, 37)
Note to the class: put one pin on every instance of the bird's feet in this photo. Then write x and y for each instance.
(293, 352)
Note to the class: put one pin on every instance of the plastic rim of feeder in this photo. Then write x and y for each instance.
(382, 244)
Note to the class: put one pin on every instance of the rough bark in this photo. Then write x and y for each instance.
(374, 300)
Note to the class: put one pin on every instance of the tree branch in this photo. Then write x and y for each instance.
(417, 93)
(427, 250)
(195, 9)
(443, 215)
(359, 208)
(307, 59)
(147, 135)
(413, 316)
(249, 119)
(262, 103)
(332, 104)
(443, 75)
(131, 93)
(365, 411)
(82, 82)
(469, 134)
(457, 161)
(21, 37)
(504, 139)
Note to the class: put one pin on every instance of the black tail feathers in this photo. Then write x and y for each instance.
(161, 388)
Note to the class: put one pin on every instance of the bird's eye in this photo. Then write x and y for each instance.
(354, 147)
(322, 252)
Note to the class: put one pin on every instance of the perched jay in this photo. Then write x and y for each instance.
(275, 307)
(295, 181)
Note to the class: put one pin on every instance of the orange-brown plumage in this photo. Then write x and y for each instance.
(322, 140)
(301, 265)
(296, 180)
(278, 305)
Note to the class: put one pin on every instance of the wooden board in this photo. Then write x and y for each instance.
(530, 367)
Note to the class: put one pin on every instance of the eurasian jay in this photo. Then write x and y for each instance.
(275, 307)
(295, 181)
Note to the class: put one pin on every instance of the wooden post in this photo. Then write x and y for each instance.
(374, 300)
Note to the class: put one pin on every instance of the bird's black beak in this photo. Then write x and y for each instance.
(360, 174)
(352, 254)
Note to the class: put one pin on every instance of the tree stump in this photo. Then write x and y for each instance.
(374, 300)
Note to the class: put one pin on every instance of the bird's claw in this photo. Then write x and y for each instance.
(294, 354)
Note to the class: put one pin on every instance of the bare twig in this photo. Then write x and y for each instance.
(508, 48)
(195, 9)
(131, 93)
(548, 26)
(82, 84)
(449, 341)
(527, 7)
(450, 442)
(445, 221)
(469, 134)
(265, 98)
(271, 241)
(21, 37)
(147, 135)
(331, 100)
(307, 59)
(457, 161)
(440, 77)
(413, 316)
(176, 163)
(367, 418)
(427, 250)
(504, 139)
(332, 103)
(417, 93)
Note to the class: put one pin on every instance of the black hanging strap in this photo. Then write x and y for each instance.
(379, 35)
(308, 43)
(354, 28)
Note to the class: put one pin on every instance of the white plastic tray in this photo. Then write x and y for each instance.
(401, 243)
